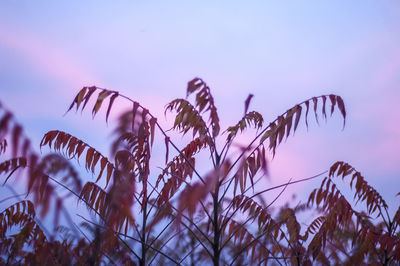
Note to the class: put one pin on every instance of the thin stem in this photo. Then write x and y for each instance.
(134, 239)
(250, 218)
(187, 218)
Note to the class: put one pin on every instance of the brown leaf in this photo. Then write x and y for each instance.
(113, 97)
(102, 95)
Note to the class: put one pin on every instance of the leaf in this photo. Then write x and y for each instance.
(103, 164)
(88, 95)
(323, 106)
(89, 157)
(10, 166)
(17, 131)
(113, 97)
(3, 146)
(307, 107)
(74, 147)
(362, 189)
(333, 101)
(78, 99)
(247, 103)
(134, 110)
(96, 198)
(252, 118)
(102, 95)
(298, 114)
(152, 123)
(205, 101)
(187, 118)
(110, 168)
(315, 102)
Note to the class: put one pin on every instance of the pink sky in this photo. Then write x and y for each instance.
(281, 54)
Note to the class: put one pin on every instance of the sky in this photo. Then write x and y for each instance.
(282, 52)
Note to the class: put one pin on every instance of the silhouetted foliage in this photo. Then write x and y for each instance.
(179, 215)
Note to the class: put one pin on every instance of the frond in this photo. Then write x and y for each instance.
(178, 169)
(193, 194)
(16, 214)
(249, 167)
(204, 102)
(74, 148)
(251, 119)
(95, 197)
(246, 204)
(288, 122)
(288, 216)
(3, 145)
(10, 166)
(313, 227)
(84, 95)
(187, 118)
(113, 207)
(363, 191)
(54, 164)
(20, 144)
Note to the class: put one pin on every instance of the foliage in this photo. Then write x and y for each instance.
(177, 215)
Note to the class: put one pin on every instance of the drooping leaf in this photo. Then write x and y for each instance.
(102, 95)
(276, 130)
(112, 99)
(253, 118)
(341, 108)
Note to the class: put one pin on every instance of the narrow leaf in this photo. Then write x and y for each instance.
(247, 103)
(341, 108)
(113, 97)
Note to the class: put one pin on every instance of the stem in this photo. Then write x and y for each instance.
(143, 236)
(216, 243)
(217, 232)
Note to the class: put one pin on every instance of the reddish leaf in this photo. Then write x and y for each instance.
(333, 101)
(323, 106)
(134, 110)
(78, 99)
(15, 139)
(87, 97)
(305, 116)
(315, 102)
(102, 95)
(298, 114)
(115, 95)
(152, 123)
(89, 157)
(341, 108)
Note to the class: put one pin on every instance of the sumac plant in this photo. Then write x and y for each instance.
(140, 214)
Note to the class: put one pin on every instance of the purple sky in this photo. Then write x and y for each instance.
(282, 53)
